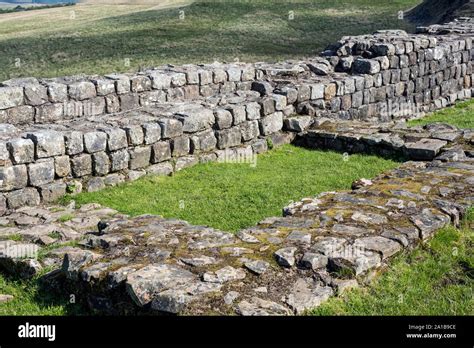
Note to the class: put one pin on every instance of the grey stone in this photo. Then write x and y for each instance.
(224, 275)
(100, 163)
(95, 184)
(259, 307)
(203, 141)
(297, 124)
(185, 162)
(366, 66)
(82, 90)
(25, 197)
(161, 151)
(52, 192)
(152, 133)
(143, 285)
(314, 261)
(135, 134)
(24, 114)
(81, 165)
(21, 150)
(271, 123)
(41, 173)
(257, 266)
(228, 137)
(170, 128)
(116, 138)
(10, 97)
(13, 177)
(74, 142)
(196, 119)
(95, 142)
(199, 261)
(164, 168)
(427, 222)
(379, 244)
(140, 157)
(424, 149)
(249, 130)
(48, 143)
(57, 92)
(223, 118)
(180, 146)
(306, 295)
(286, 256)
(49, 113)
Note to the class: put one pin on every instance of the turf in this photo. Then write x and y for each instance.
(460, 115)
(233, 196)
(98, 38)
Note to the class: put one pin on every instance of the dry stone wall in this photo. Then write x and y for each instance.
(87, 132)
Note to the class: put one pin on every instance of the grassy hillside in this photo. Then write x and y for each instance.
(95, 37)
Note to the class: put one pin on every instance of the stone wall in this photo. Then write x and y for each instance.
(87, 132)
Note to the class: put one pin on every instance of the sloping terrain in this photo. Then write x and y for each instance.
(440, 11)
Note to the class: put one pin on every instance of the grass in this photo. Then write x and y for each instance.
(235, 196)
(435, 279)
(460, 115)
(98, 38)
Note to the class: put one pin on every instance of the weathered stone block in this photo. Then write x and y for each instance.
(41, 172)
(48, 113)
(52, 192)
(81, 165)
(160, 80)
(20, 115)
(26, 197)
(170, 128)
(62, 166)
(152, 133)
(95, 142)
(82, 90)
(100, 163)
(196, 119)
(180, 146)
(35, 94)
(366, 66)
(163, 169)
(57, 92)
(94, 106)
(95, 184)
(185, 162)
(129, 102)
(253, 110)
(140, 157)
(104, 86)
(228, 137)
(116, 138)
(13, 177)
(249, 130)
(21, 150)
(271, 123)
(74, 142)
(119, 160)
(204, 141)
(48, 143)
(238, 113)
(140, 83)
(112, 104)
(135, 135)
(297, 124)
(223, 118)
(10, 97)
(161, 151)
(73, 108)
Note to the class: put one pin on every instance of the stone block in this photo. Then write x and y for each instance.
(170, 128)
(100, 163)
(204, 141)
(13, 177)
(185, 162)
(112, 104)
(116, 138)
(238, 113)
(62, 166)
(140, 157)
(47, 143)
(253, 110)
(81, 165)
(82, 90)
(52, 192)
(160, 80)
(223, 118)
(366, 66)
(104, 86)
(95, 142)
(297, 124)
(35, 94)
(119, 160)
(180, 146)
(140, 83)
(249, 130)
(10, 97)
(161, 151)
(24, 114)
(95, 184)
(74, 142)
(152, 133)
(41, 172)
(21, 150)
(129, 102)
(48, 113)
(57, 92)
(271, 123)
(135, 135)
(25, 197)
(228, 137)
(196, 119)
(161, 169)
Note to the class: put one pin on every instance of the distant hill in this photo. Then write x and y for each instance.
(440, 11)
(46, 2)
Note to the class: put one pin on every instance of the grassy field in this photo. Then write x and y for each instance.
(97, 37)
(234, 196)
(460, 115)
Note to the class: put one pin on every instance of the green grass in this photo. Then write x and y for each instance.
(460, 115)
(435, 279)
(100, 38)
(234, 196)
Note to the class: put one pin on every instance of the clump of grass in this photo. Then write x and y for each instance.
(460, 115)
(66, 217)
